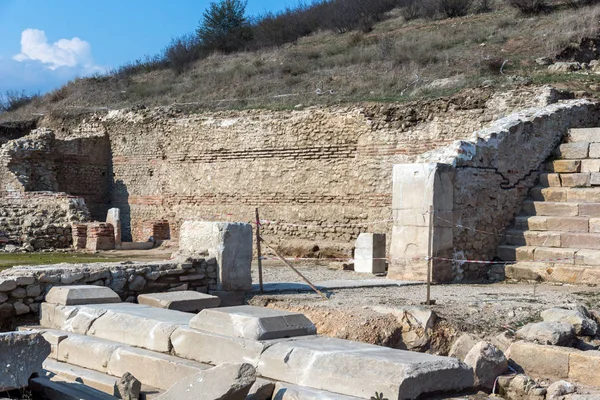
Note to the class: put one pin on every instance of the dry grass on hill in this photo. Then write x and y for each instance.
(382, 65)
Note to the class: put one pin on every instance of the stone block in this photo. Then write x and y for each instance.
(214, 348)
(548, 208)
(223, 382)
(573, 151)
(153, 369)
(532, 223)
(516, 253)
(230, 243)
(287, 391)
(551, 333)
(359, 369)
(583, 195)
(587, 257)
(548, 194)
(487, 362)
(580, 240)
(93, 379)
(567, 224)
(554, 254)
(22, 355)
(548, 362)
(589, 209)
(186, 301)
(595, 179)
(68, 318)
(584, 367)
(565, 166)
(253, 323)
(137, 325)
(590, 165)
(81, 294)
(591, 135)
(594, 225)
(262, 389)
(545, 239)
(113, 217)
(461, 346)
(581, 179)
(87, 352)
(582, 324)
(369, 253)
(594, 150)
(550, 180)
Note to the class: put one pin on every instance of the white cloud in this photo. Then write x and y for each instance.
(70, 53)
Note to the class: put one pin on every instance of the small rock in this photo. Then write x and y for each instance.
(21, 308)
(128, 387)
(261, 390)
(543, 61)
(487, 362)
(137, 283)
(553, 333)
(563, 67)
(583, 325)
(559, 389)
(461, 346)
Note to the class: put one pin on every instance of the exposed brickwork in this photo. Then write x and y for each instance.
(100, 236)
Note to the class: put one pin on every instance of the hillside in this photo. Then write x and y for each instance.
(397, 61)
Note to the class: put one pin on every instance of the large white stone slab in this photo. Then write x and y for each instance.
(230, 243)
(86, 352)
(212, 348)
(369, 253)
(81, 294)
(154, 369)
(287, 391)
(358, 369)
(186, 301)
(74, 319)
(138, 325)
(253, 323)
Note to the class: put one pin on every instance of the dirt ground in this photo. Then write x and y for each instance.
(483, 309)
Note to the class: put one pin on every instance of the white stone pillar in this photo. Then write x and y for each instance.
(369, 253)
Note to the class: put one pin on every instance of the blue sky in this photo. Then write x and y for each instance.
(45, 43)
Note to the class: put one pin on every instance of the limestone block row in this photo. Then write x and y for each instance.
(590, 135)
(580, 179)
(556, 362)
(578, 150)
(553, 239)
(186, 301)
(563, 256)
(552, 223)
(564, 194)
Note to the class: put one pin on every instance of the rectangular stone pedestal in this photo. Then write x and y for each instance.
(369, 253)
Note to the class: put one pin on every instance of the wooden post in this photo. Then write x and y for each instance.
(259, 253)
(430, 256)
(295, 270)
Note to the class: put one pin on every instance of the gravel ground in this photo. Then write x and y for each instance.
(478, 308)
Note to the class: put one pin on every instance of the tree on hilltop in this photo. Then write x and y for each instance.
(224, 26)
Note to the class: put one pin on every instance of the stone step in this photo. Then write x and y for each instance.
(553, 272)
(516, 237)
(56, 370)
(566, 194)
(590, 135)
(560, 209)
(553, 223)
(576, 180)
(550, 255)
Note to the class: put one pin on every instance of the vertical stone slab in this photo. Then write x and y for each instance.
(416, 189)
(114, 218)
(369, 253)
(229, 242)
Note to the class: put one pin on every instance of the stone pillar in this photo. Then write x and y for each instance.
(229, 242)
(417, 188)
(369, 253)
(79, 232)
(114, 218)
(100, 236)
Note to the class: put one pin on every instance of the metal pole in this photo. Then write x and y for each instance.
(259, 253)
(430, 256)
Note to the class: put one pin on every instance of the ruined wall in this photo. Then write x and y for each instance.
(40, 220)
(488, 176)
(22, 289)
(309, 170)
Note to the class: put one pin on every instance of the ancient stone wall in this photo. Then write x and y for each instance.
(22, 289)
(486, 178)
(320, 175)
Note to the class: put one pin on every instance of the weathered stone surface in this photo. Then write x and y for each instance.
(87, 352)
(230, 243)
(21, 355)
(113, 217)
(565, 166)
(6, 285)
(90, 378)
(154, 369)
(138, 325)
(254, 323)
(417, 324)
(128, 387)
(582, 324)
(359, 369)
(553, 333)
(81, 294)
(584, 366)
(487, 362)
(214, 348)
(187, 301)
(564, 67)
(461, 346)
(369, 253)
(549, 362)
(591, 135)
(69, 318)
(558, 389)
(223, 382)
(262, 389)
(137, 283)
(577, 180)
(573, 151)
(287, 391)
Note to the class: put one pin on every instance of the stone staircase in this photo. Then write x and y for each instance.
(92, 345)
(557, 236)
